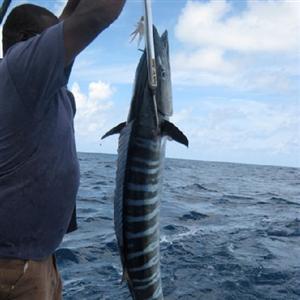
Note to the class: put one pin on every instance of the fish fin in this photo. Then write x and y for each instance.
(114, 130)
(170, 130)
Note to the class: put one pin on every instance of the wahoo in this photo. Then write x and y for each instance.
(141, 153)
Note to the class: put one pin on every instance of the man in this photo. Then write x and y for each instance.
(39, 174)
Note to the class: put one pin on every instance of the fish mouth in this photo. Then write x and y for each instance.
(164, 86)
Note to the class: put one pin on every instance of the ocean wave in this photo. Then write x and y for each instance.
(179, 233)
(196, 187)
(279, 200)
(290, 229)
(239, 198)
(193, 215)
(65, 256)
(228, 232)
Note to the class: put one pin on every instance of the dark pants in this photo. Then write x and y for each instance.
(30, 280)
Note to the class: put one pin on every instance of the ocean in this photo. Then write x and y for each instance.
(228, 231)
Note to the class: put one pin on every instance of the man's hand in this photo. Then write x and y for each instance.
(69, 9)
(89, 18)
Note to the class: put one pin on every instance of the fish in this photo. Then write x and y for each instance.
(140, 164)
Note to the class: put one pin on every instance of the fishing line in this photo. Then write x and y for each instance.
(3, 9)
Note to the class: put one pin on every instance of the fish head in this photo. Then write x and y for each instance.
(164, 85)
(146, 110)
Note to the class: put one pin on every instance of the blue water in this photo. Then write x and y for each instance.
(228, 231)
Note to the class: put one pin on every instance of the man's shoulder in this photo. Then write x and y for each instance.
(43, 41)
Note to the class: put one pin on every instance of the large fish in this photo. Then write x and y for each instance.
(141, 154)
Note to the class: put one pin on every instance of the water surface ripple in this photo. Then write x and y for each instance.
(228, 231)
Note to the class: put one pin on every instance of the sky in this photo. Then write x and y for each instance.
(235, 78)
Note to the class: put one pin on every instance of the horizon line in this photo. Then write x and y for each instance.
(209, 161)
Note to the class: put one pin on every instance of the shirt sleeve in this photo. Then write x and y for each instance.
(36, 67)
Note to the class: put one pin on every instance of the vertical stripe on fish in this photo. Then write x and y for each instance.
(141, 217)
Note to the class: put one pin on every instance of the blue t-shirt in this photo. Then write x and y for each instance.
(39, 171)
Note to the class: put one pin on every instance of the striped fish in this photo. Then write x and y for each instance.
(141, 155)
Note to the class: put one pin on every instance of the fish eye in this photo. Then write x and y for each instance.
(163, 74)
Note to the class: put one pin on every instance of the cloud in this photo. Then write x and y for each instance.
(92, 109)
(207, 59)
(262, 27)
(243, 125)
(100, 90)
(87, 69)
(253, 49)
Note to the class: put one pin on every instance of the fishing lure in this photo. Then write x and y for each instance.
(139, 31)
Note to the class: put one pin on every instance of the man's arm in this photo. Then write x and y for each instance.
(89, 19)
(69, 9)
